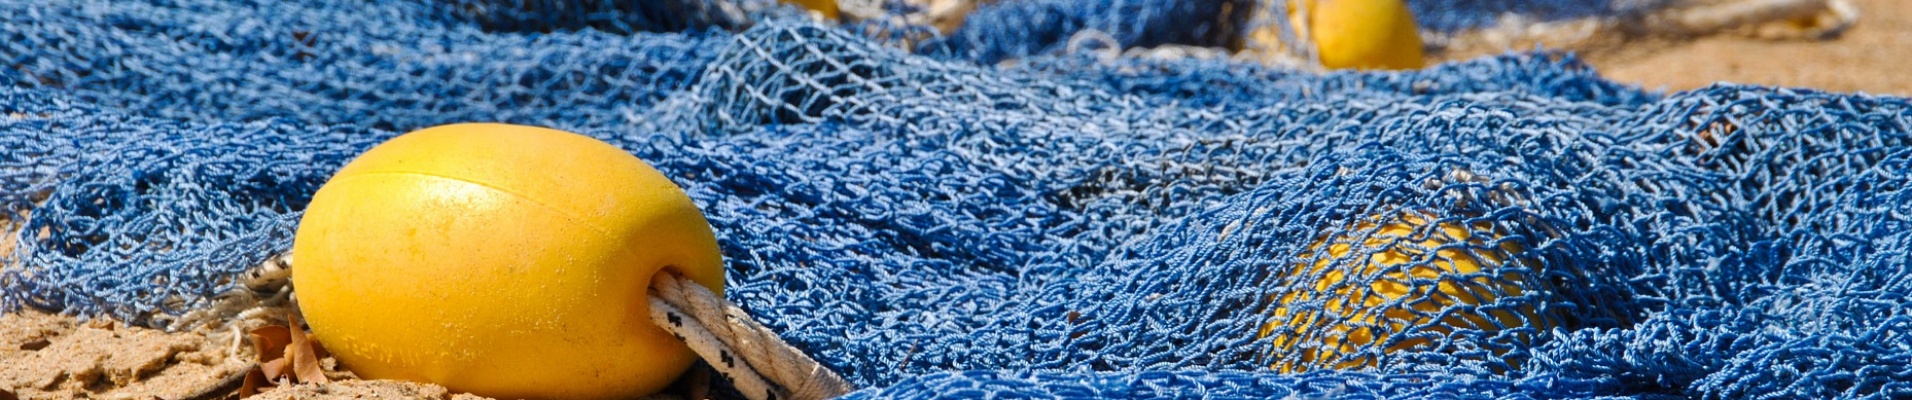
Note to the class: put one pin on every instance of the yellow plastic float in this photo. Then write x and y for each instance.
(828, 8)
(1361, 34)
(1353, 316)
(501, 260)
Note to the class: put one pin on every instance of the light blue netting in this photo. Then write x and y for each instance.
(934, 227)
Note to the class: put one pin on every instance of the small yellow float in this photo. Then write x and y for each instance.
(1411, 273)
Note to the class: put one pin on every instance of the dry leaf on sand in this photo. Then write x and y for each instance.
(285, 352)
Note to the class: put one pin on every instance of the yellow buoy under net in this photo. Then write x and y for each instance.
(1395, 283)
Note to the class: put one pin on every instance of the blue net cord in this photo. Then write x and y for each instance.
(1458, 15)
(1017, 29)
(396, 66)
(1012, 30)
(148, 218)
(622, 17)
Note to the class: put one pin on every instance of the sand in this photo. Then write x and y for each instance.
(1864, 59)
(45, 356)
(365, 390)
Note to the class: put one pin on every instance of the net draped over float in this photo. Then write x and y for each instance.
(1010, 210)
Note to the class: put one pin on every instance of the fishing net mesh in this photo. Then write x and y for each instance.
(932, 224)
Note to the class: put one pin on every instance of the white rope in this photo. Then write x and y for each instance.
(747, 349)
(706, 344)
(262, 287)
(1107, 48)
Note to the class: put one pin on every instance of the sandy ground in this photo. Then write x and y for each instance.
(1867, 58)
(47, 357)
(58, 357)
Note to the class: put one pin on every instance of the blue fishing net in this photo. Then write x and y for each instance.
(1000, 31)
(390, 66)
(930, 224)
(616, 16)
(1460, 15)
(1016, 29)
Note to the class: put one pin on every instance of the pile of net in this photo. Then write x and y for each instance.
(930, 223)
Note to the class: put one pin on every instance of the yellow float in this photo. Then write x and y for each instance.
(1354, 317)
(501, 260)
(827, 8)
(1360, 34)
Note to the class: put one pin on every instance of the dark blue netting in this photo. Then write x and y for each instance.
(1199, 83)
(1505, 227)
(617, 16)
(1174, 384)
(393, 66)
(1015, 29)
(1459, 15)
(1003, 30)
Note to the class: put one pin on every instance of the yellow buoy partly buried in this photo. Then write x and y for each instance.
(828, 8)
(1356, 316)
(501, 260)
(1361, 34)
